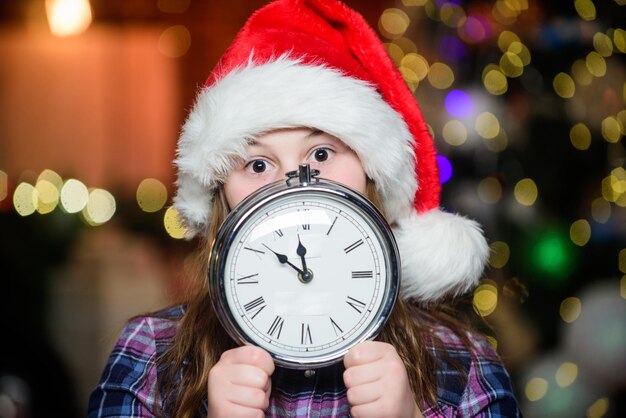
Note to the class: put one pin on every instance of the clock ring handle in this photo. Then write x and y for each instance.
(304, 174)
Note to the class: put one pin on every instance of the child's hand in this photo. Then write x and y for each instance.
(240, 383)
(377, 382)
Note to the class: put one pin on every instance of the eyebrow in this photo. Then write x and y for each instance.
(316, 132)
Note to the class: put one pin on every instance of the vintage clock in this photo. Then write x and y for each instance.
(304, 268)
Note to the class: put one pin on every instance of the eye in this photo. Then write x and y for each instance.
(321, 155)
(257, 166)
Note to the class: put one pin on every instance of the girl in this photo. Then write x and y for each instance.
(309, 81)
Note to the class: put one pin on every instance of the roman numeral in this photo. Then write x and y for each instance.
(305, 335)
(356, 304)
(362, 274)
(248, 279)
(335, 326)
(305, 212)
(353, 246)
(279, 232)
(276, 327)
(331, 226)
(256, 306)
(254, 250)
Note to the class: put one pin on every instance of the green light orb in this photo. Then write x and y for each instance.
(552, 256)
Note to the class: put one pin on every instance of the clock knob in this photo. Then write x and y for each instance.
(304, 174)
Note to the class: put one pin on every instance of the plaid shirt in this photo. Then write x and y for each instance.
(128, 384)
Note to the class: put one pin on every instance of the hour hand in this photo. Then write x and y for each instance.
(282, 258)
(301, 251)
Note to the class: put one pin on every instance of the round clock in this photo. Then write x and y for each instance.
(304, 268)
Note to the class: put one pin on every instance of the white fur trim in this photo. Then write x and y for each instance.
(442, 254)
(285, 93)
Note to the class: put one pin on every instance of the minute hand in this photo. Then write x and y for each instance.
(282, 258)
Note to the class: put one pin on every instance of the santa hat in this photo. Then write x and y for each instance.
(317, 64)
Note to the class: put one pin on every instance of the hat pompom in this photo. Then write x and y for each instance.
(443, 254)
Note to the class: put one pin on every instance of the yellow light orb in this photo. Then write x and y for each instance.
(495, 82)
(499, 255)
(487, 125)
(600, 210)
(452, 15)
(619, 40)
(417, 64)
(585, 9)
(173, 223)
(566, 374)
(521, 51)
(493, 342)
(596, 64)
(497, 143)
(440, 76)
(612, 129)
(580, 136)
(622, 260)
(536, 388)
(622, 287)
(603, 44)
(570, 309)
(526, 192)
(599, 408)
(47, 196)
(395, 52)
(52, 177)
(511, 65)
(564, 85)
(74, 196)
(393, 23)
(175, 41)
(151, 195)
(485, 299)
(407, 45)
(410, 3)
(580, 232)
(4, 185)
(100, 207)
(25, 199)
(454, 132)
(490, 190)
(505, 39)
(581, 73)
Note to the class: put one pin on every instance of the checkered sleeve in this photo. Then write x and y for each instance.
(128, 383)
(489, 391)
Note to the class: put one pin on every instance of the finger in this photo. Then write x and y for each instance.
(252, 355)
(372, 409)
(365, 352)
(364, 394)
(248, 397)
(247, 375)
(360, 375)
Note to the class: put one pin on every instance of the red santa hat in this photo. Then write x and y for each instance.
(317, 64)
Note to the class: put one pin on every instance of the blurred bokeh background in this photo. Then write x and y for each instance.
(526, 100)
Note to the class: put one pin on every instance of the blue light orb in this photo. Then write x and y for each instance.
(452, 49)
(458, 103)
(445, 168)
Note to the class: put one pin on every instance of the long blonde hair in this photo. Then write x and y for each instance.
(200, 339)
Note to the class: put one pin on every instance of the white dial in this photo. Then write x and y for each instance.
(306, 276)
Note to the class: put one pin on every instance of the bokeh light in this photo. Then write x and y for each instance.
(581, 73)
(552, 256)
(505, 39)
(490, 190)
(580, 136)
(487, 125)
(445, 168)
(497, 143)
(536, 388)
(52, 177)
(564, 86)
(511, 65)
(622, 261)
(74, 196)
(602, 44)
(175, 41)
(600, 210)
(526, 192)
(611, 129)
(393, 23)
(151, 195)
(68, 17)
(596, 64)
(4, 185)
(47, 196)
(100, 207)
(580, 232)
(452, 49)
(599, 408)
(485, 299)
(475, 28)
(521, 51)
(25, 199)
(440, 76)
(585, 9)
(619, 39)
(458, 103)
(570, 309)
(499, 255)
(566, 374)
(454, 132)
(414, 2)
(452, 14)
(173, 223)
(495, 81)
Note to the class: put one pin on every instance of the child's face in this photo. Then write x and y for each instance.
(277, 152)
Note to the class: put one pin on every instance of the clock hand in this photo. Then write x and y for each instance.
(306, 275)
(282, 258)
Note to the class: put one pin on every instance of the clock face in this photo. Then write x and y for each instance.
(307, 276)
